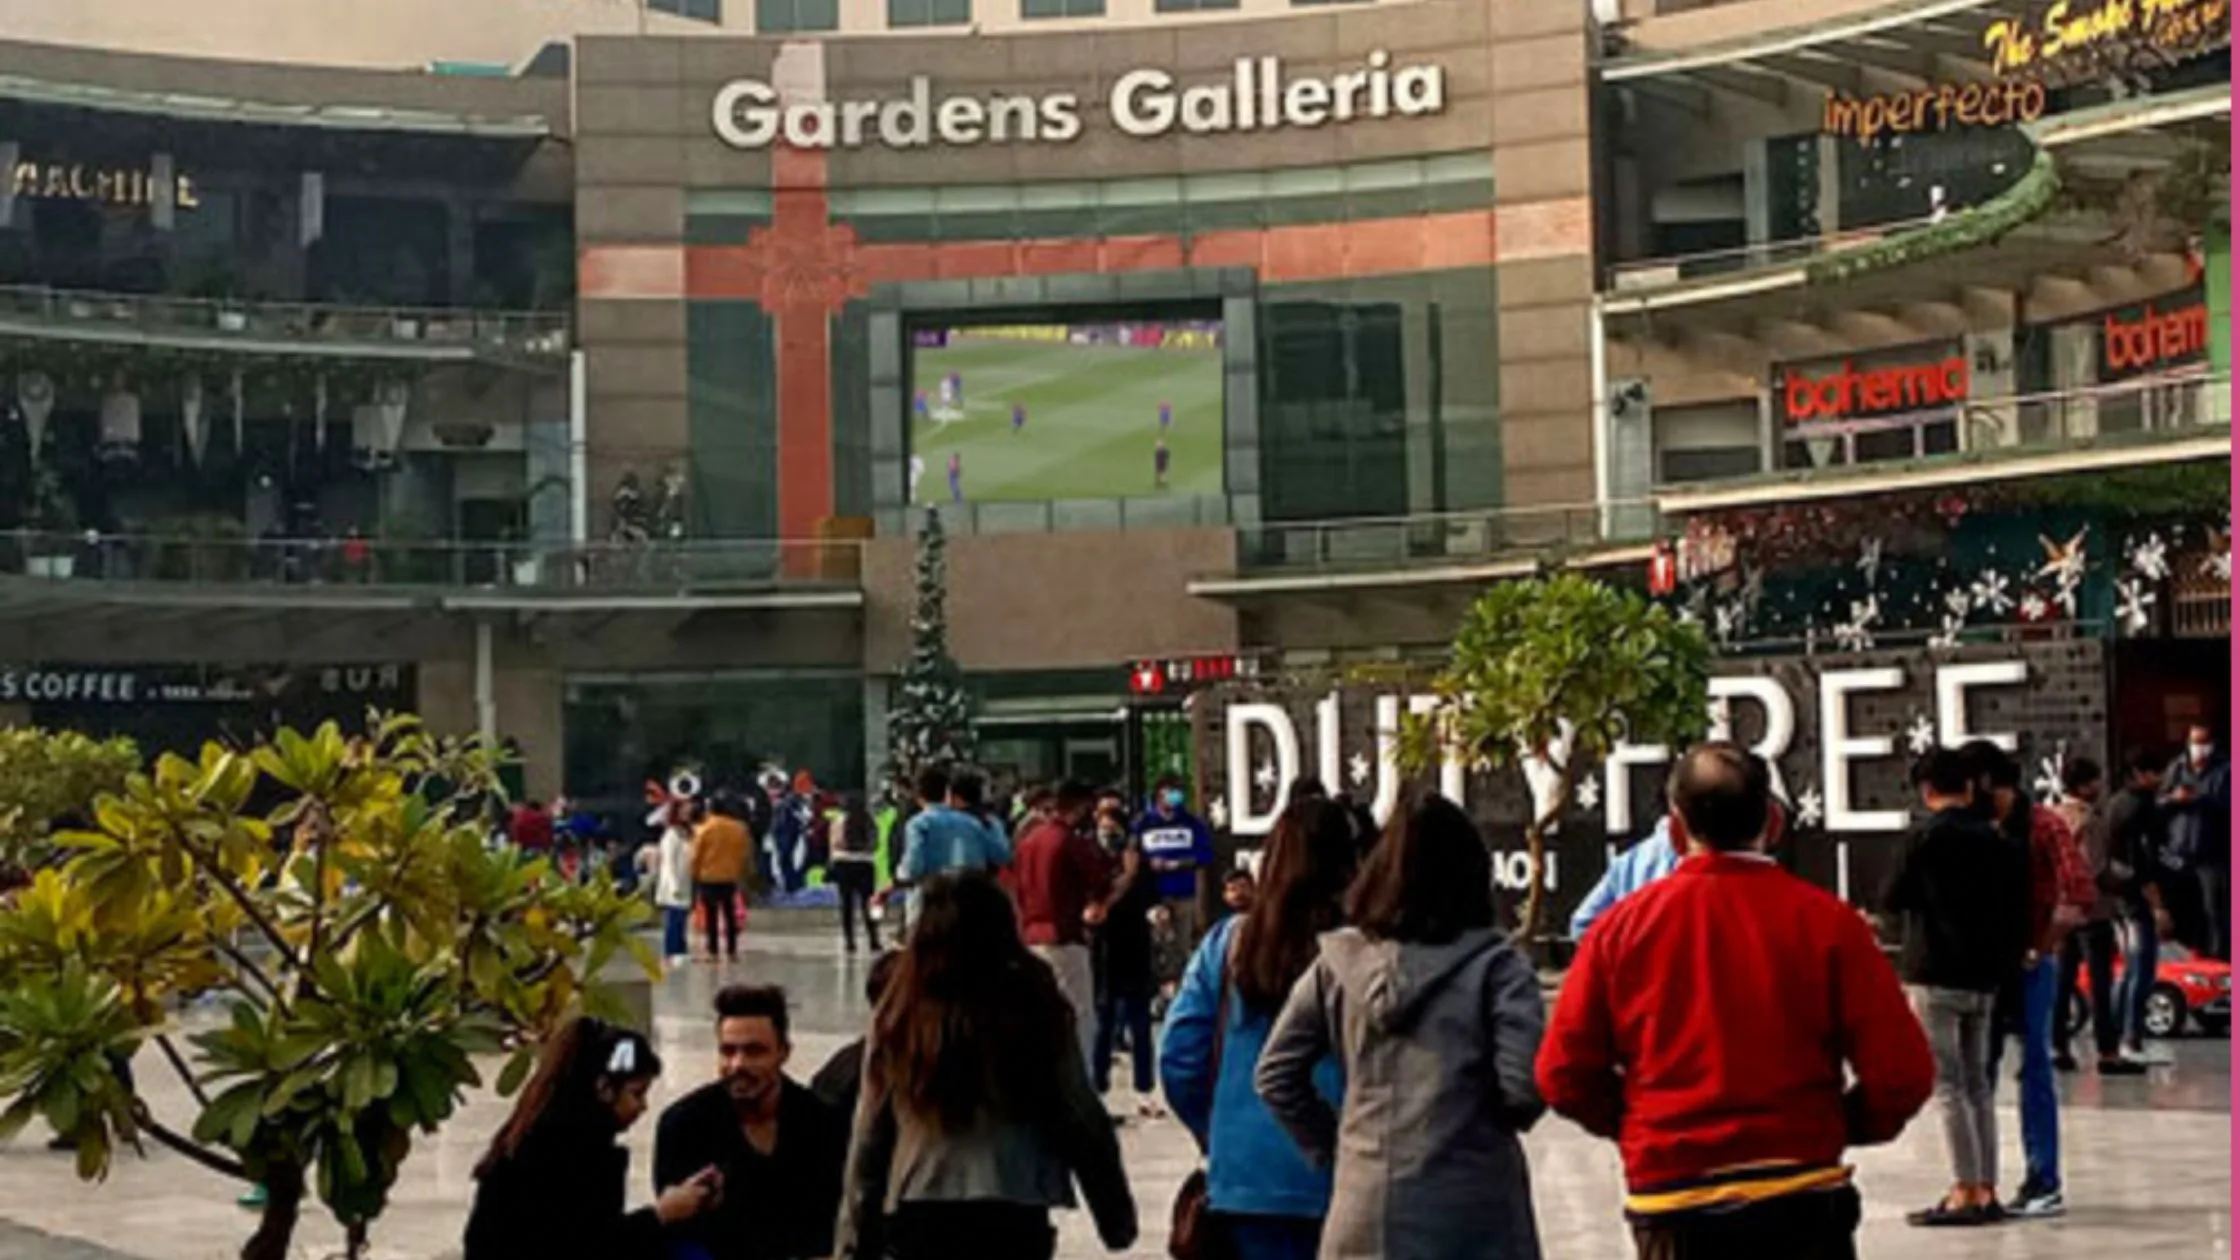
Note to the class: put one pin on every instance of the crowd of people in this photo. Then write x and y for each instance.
(1357, 1049)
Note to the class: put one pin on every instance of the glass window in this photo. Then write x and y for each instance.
(701, 10)
(1192, 6)
(901, 13)
(776, 17)
(1061, 8)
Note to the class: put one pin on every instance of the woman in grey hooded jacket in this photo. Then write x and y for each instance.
(1437, 1019)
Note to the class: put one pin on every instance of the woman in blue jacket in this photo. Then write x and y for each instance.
(1261, 1189)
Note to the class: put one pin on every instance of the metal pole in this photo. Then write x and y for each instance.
(485, 683)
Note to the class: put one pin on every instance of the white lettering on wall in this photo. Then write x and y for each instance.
(1839, 747)
(1245, 819)
(1780, 718)
(1952, 686)
(1146, 103)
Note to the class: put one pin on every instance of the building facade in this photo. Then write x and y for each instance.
(1246, 341)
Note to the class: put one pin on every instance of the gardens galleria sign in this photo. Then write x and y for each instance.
(1144, 103)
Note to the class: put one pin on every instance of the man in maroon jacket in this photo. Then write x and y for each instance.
(1061, 877)
(1707, 1024)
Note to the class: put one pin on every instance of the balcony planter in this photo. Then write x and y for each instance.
(232, 319)
(405, 328)
(56, 566)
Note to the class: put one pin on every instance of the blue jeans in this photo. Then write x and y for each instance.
(675, 924)
(1112, 1011)
(2142, 949)
(2041, 1107)
(1274, 1237)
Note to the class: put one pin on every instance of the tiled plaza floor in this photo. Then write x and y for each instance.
(2147, 1161)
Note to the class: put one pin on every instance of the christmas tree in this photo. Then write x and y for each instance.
(930, 722)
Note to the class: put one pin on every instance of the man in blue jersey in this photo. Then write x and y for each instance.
(1018, 417)
(1178, 847)
(1166, 416)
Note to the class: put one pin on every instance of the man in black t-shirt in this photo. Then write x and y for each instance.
(781, 1148)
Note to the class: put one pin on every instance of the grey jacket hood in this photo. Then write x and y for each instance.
(1393, 981)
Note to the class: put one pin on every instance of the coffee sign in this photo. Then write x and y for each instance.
(1149, 103)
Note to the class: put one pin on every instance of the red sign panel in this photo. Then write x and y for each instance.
(1851, 393)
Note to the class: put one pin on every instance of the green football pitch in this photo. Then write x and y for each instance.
(1092, 421)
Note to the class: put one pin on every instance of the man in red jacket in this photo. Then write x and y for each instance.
(1061, 877)
(1707, 1023)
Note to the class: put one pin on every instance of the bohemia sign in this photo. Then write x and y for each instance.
(1146, 104)
(1838, 729)
(2150, 339)
(1853, 393)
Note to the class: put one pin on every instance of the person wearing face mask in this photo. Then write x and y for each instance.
(1178, 848)
(551, 1185)
(2197, 808)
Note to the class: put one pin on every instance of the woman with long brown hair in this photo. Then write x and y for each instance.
(1436, 1018)
(1266, 1197)
(976, 1116)
(551, 1185)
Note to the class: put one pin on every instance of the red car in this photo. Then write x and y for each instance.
(2185, 985)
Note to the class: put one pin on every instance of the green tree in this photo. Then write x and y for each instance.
(1559, 671)
(931, 721)
(366, 941)
(45, 777)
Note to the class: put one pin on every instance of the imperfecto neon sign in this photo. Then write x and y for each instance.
(1934, 109)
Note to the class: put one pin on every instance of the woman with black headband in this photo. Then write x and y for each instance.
(552, 1185)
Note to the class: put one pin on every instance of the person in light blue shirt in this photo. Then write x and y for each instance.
(1633, 870)
(944, 840)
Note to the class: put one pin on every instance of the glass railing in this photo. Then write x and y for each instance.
(1150, 512)
(529, 333)
(92, 557)
(1443, 538)
(2143, 412)
(1647, 275)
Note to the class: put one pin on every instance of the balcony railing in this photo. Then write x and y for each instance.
(91, 557)
(395, 330)
(1443, 538)
(1650, 274)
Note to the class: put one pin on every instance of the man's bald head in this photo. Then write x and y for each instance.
(1720, 793)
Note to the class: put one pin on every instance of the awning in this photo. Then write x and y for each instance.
(1899, 46)
(219, 109)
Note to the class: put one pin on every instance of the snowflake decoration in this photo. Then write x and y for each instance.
(2134, 603)
(1949, 636)
(2048, 783)
(2065, 593)
(805, 813)
(1810, 808)
(1727, 620)
(1264, 776)
(1217, 813)
(2218, 563)
(1357, 769)
(1688, 617)
(1990, 592)
(2034, 607)
(1922, 735)
(1958, 601)
(2064, 561)
(1870, 559)
(2151, 559)
(1856, 635)
(1589, 793)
